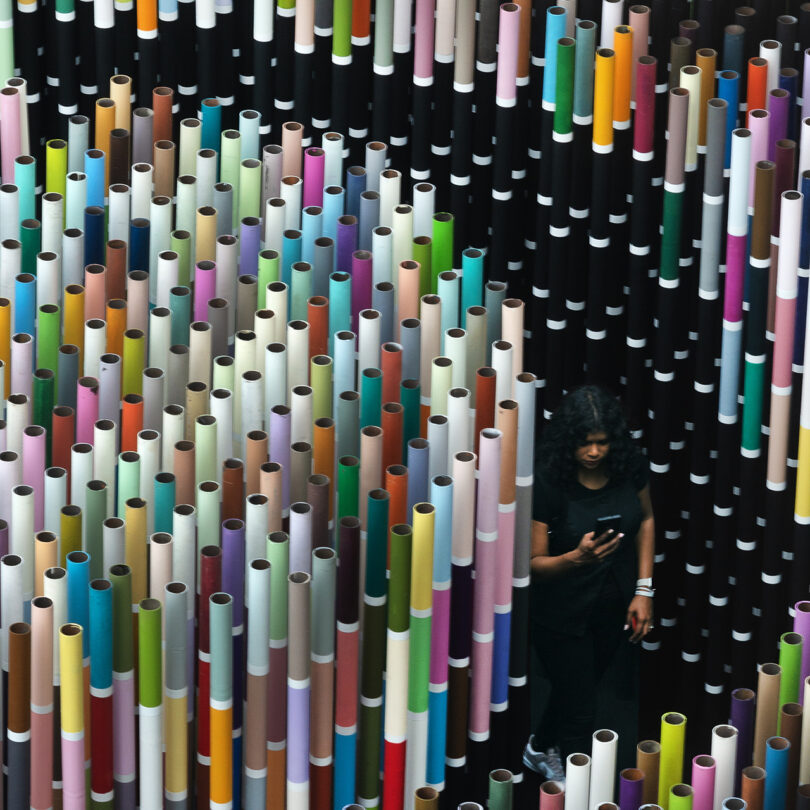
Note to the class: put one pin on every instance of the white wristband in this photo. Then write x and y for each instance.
(646, 582)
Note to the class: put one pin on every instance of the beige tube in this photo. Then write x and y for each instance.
(648, 757)
(767, 714)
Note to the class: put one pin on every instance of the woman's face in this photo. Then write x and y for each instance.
(593, 451)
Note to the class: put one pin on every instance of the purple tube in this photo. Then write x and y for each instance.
(806, 83)
(314, 161)
(631, 788)
(249, 236)
(297, 734)
(801, 625)
(779, 109)
(346, 242)
(33, 447)
(279, 450)
(703, 770)
(743, 704)
(361, 284)
(3, 538)
(205, 288)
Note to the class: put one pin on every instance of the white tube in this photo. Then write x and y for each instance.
(49, 276)
(221, 407)
(301, 414)
(168, 269)
(424, 207)
(52, 217)
(256, 512)
(275, 218)
(368, 340)
(76, 200)
(141, 191)
(301, 537)
(252, 404)
(199, 353)
(72, 258)
(458, 420)
(390, 190)
(226, 256)
(275, 376)
(81, 471)
(724, 752)
(148, 448)
(502, 362)
(95, 344)
(264, 327)
(173, 431)
(291, 191)
(402, 228)
(438, 431)
(577, 781)
(382, 247)
(114, 542)
(18, 417)
(21, 539)
(603, 765)
(276, 299)
(119, 216)
(55, 498)
(206, 173)
(297, 354)
(105, 456)
(160, 337)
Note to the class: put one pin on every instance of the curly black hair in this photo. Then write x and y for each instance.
(585, 410)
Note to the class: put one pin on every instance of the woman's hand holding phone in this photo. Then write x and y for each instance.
(593, 549)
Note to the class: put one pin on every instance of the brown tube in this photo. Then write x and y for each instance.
(426, 798)
(184, 459)
(507, 424)
(232, 489)
(256, 456)
(162, 98)
(116, 268)
(270, 484)
(648, 756)
(19, 677)
(119, 156)
(164, 168)
(247, 292)
(300, 470)
(790, 727)
(767, 713)
(753, 787)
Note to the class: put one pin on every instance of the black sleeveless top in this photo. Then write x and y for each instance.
(564, 603)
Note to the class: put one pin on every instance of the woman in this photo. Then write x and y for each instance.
(593, 578)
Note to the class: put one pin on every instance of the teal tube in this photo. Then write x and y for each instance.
(472, 281)
(371, 398)
(300, 291)
(25, 180)
(180, 308)
(164, 489)
(78, 594)
(409, 394)
(100, 634)
(290, 254)
(211, 124)
(31, 241)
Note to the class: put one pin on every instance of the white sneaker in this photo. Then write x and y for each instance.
(548, 764)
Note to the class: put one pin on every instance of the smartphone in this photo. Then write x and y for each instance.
(609, 524)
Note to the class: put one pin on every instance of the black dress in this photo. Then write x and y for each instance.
(578, 617)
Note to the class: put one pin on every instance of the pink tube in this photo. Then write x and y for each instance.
(138, 300)
(314, 162)
(703, 769)
(486, 535)
(508, 35)
(423, 40)
(73, 786)
(33, 447)
(205, 286)
(86, 409)
(10, 140)
(552, 796)
(22, 364)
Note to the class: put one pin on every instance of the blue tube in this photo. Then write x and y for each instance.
(355, 186)
(340, 305)
(25, 169)
(139, 244)
(418, 460)
(791, 84)
(290, 254)
(211, 124)
(728, 88)
(777, 753)
(94, 237)
(100, 611)
(334, 206)
(733, 52)
(94, 169)
(249, 237)
(555, 30)
(78, 595)
(311, 229)
(25, 304)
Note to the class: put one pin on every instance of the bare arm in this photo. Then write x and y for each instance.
(640, 610)
(590, 550)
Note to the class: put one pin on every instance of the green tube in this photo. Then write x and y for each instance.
(43, 391)
(205, 449)
(181, 245)
(250, 182)
(56, 152)
(370, 397)
(342, 28)
(564, 91)
(347, 425)
(441, 257)
(348, 487)
(95, 513)
(164, 489)
(31, 241)
(409, 395)
(373, 657)
(441, 380)
(129, 480)
(399, 586)
(790, 659)
(230, 156)
(500, 789)
(324, 574)
(133, 362)
(278, 553)
(680, 797)
(48, 326)
(180, 308)
(301, 290)
(268, 273)
(223, 373)
(149, 655)
(221, 624)
(422, 249)
(670, 770)
(320, 380)
(121, 579)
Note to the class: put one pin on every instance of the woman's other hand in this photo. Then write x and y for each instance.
(595, 549)
(639, 617)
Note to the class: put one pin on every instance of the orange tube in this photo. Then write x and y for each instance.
(391, 367)
(221, 734)
(162, 98)
(116, 325)
(5, 341)
(184, 458)
(757, 85)
(270, 486)
(318, 317)
(623, 74)
(323, 454)
(256, 456)
(392, 420)
(131, 421)
(604, 77)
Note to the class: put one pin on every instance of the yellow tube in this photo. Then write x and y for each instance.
(673, 732)
(71, 678)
